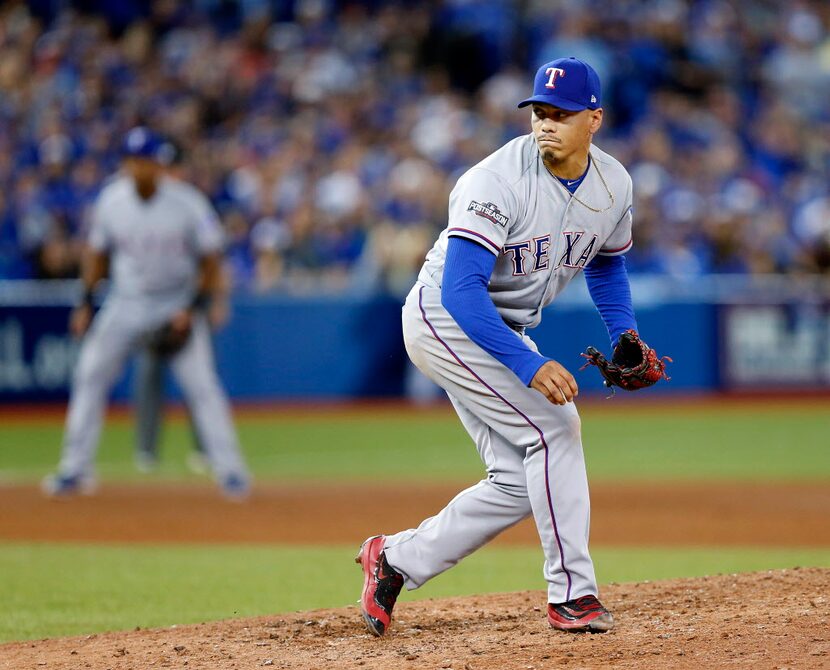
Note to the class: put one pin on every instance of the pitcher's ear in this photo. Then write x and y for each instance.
(596, 120)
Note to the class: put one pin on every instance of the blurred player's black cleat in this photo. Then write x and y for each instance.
(585, 614)
(381, 585)
(65, 486)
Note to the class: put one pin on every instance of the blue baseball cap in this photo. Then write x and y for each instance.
(141, 142)
(567, 83)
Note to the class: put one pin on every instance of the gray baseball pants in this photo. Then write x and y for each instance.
(117, 331)
(531, 448)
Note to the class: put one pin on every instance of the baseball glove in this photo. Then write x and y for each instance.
(633, 365)
(166, 340)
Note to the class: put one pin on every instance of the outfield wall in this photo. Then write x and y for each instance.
(722, 333)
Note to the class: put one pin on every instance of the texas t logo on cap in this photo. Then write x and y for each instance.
(554, 72)
(566, 83)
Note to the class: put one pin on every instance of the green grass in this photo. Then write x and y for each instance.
(648, 442)
(52, 590)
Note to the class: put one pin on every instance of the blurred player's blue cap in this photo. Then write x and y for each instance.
(567, 83)
(141, 142)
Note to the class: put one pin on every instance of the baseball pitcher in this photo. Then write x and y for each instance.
(522, 223)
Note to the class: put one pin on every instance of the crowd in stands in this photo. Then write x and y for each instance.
(329, 134)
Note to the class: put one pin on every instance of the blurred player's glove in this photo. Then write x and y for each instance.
(167, 340)
(634, 365)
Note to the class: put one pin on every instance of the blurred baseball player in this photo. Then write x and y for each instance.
(522, 223)
(163, 242)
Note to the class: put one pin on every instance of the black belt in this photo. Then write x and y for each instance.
(514, 327)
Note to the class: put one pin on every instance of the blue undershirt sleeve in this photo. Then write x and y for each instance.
(464, 295)
(608, 285)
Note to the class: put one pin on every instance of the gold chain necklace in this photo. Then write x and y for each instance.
(573, 195)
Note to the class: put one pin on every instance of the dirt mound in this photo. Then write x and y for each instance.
(778, 619)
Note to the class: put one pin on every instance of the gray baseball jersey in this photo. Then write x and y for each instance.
(511, 205)
(542, 236)
(155, 247)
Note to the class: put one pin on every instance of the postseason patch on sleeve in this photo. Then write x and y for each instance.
(489, 211)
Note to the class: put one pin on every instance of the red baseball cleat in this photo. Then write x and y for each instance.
(579, 615)
(381, 585)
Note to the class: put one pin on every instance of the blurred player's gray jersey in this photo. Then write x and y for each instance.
(542, 235)
(154, 245)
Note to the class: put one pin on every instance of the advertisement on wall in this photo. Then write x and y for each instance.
(775, 347)
(330, 349)
(37, 354)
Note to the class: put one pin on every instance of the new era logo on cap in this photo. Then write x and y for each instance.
(567, 83)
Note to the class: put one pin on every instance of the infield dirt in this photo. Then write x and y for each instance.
(631, 514)
(771, 620)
